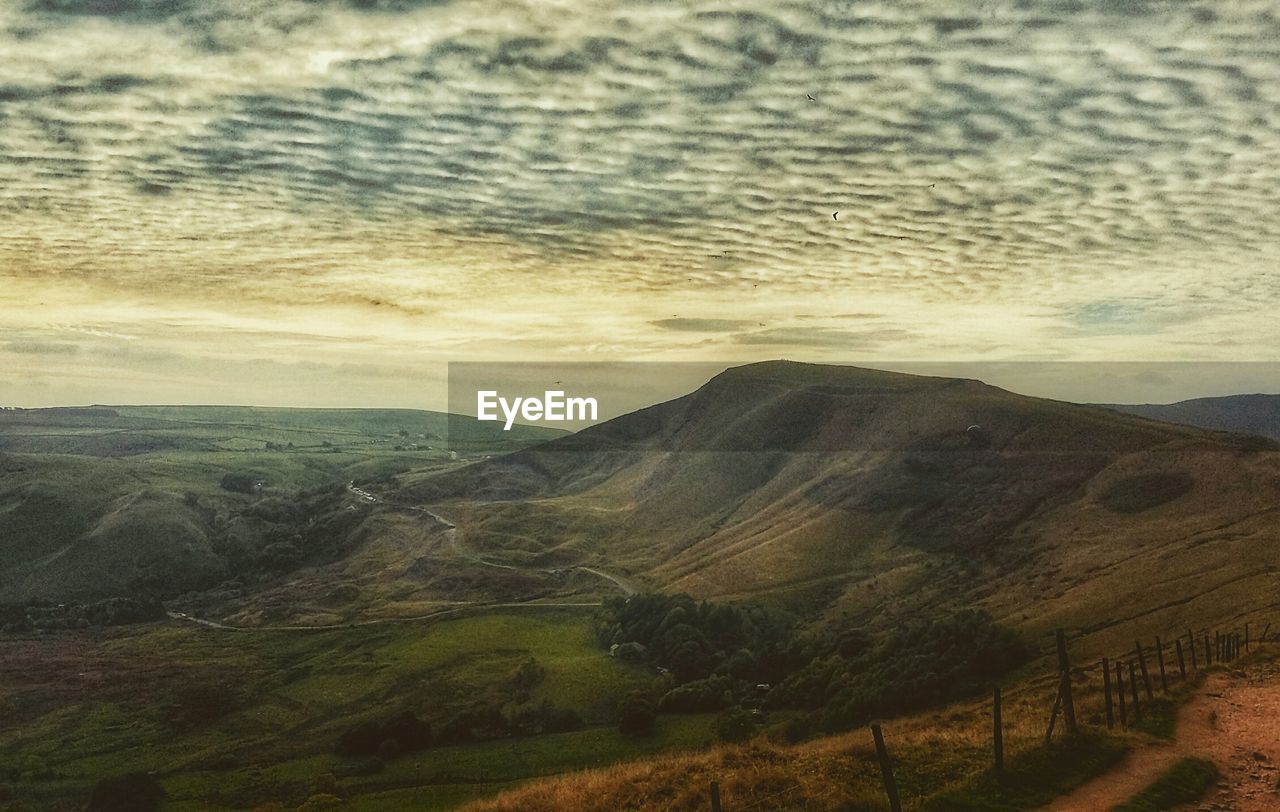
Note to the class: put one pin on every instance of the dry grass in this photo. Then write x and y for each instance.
(932, 752)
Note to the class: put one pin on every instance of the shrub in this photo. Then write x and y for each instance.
(637, 716)
(735, 725)
(135, 792)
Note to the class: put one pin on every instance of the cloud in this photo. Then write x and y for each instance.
(40, 348)
(823, 338)
(700, 325)
(454, 172)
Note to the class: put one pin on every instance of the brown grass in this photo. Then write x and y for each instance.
(932, 752)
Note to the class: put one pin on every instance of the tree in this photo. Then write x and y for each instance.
(135, 792)
(735, 725)
(637, 715)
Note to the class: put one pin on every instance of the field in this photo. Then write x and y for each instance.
(81, 706)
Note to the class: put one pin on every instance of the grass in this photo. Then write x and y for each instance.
(1035, 777)
(83, 706)
(1183, 783)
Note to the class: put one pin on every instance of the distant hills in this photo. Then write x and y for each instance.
(1248, 414)
(108, 501)
(846, 495)
(874, 495)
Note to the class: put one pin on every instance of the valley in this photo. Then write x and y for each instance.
(304, 580)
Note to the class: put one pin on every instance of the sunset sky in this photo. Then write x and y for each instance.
(322, 203)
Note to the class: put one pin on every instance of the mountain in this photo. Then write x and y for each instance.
(872, 495)
(1247, 414)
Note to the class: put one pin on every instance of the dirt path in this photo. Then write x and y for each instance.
(1233, 721)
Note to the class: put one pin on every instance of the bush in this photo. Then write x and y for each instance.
(387, 739)
(700, 696)
(135, 792)
(735, 725)
(637, 716)
(239, 482)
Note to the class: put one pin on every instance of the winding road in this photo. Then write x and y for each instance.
(459, 548)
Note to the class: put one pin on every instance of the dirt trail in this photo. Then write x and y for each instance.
(1233, 721)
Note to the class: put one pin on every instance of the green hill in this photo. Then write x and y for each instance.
(868, 496)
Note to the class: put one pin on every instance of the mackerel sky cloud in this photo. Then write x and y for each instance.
(360, 191)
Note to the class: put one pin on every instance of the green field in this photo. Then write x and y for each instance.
(295, 693)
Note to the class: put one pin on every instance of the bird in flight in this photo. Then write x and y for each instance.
(810, 97)
(833, 215)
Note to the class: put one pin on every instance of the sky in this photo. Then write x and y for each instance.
(324, 203)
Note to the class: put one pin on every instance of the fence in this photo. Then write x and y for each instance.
(1146, 667)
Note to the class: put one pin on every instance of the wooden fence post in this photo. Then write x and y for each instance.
(1208, 652)
(1164, 682)
(1217, 646)
(1124, 717)
(1053, 715)
(1182, 663)
(1133, 684)
(1191, 641)
(886, 769)
(1146, 679)
(1235, 646)
(1064, 667)
(997, 730)
(1106, 692)
(715, 796)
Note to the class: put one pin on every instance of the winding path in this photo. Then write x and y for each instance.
(1233, 721)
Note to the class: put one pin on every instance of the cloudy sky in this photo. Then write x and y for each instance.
(324, 202)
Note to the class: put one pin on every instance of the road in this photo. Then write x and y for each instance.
(453, 538)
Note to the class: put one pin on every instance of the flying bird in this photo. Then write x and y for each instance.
(833, 215)
(811, 98)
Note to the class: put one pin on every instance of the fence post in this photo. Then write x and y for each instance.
(715, 796)
(1217, 646)
(1106, 692)
(1053, 715)
(1182, 663)
(1191, 642)
(1124, 717)
(1235, 645)
(997, 730)
(1146, 679)
(1064, 666)
(1164, 682)
(1133, 684)
(1208, 652)
(886, 769)
(1246, 638)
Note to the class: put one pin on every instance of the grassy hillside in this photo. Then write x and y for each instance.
(104, 501)
(871, 496)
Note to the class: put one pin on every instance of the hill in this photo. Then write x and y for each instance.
(1247, 414)
(866, 496)
(108, 501)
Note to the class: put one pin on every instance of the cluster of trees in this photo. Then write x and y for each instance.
(239, 482)
(923, 663)
(46, 616)
(405, 733)
(742, 660)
